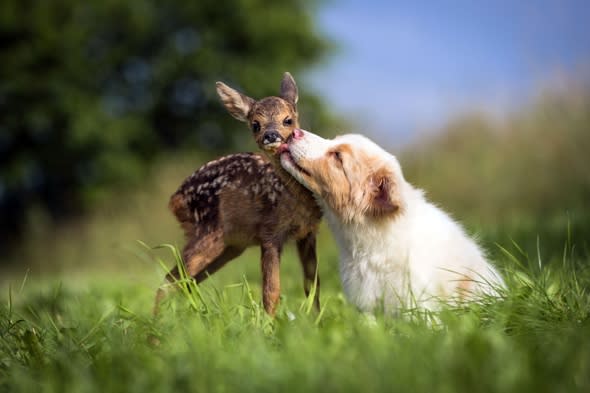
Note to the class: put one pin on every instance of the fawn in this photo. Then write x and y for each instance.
(248, 199)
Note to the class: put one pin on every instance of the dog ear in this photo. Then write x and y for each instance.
(383, 194)
(237, 104)
(289, 89)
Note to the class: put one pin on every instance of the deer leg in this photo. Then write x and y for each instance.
(227, 255)
(271, 281)
(198, 255)
(306, 248)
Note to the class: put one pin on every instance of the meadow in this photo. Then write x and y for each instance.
(97, 335)
(75, 311)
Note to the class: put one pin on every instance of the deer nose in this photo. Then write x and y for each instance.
(271, 137)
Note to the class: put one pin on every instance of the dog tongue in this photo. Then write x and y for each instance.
(283, 148)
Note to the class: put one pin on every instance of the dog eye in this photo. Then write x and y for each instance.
(288, 121)
(255, 126)
(336, 155)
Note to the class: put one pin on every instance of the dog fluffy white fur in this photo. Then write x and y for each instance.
(397, 250)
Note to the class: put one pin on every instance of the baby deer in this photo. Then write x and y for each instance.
(248, 199)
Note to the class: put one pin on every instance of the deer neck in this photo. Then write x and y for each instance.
(303, 194)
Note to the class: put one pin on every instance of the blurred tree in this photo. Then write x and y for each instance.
(91, 92)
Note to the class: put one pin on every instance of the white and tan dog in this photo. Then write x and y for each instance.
(397, 250)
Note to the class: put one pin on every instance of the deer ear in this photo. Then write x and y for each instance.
(237, 104)
(383, 195)
(289, 89)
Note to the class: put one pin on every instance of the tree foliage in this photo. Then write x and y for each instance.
(92, 91)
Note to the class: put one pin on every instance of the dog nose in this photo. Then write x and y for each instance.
(271, 137)
(297, 133)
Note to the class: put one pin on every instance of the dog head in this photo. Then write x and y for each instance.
(271, 119)
(353, 176)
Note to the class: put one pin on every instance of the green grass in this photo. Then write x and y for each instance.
(80, 319)
(97, 335)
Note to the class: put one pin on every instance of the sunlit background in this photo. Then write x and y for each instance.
(105, 107)
(409, 67)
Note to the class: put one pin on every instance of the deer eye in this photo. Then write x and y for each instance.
(288, 121)
(255, 126)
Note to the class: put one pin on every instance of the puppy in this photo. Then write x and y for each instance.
(397, 250)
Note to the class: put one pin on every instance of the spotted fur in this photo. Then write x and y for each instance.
(247, 199)
(248, 175)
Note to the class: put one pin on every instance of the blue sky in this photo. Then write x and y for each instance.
(406, 67)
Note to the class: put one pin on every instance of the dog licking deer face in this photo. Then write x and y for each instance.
(357, 184)
(397, 249)
(248, 199)
(271, 119)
